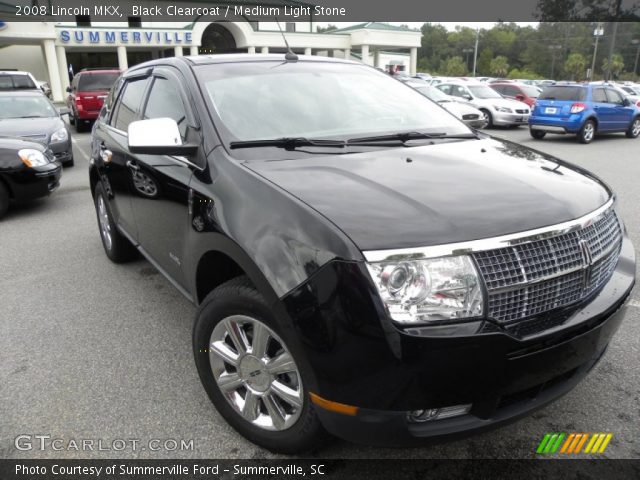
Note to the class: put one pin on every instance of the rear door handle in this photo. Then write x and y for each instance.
(132, 166)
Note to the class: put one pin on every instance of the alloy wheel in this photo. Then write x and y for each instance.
(105, 223)
(589, 130)
(256, 373)
(636, 127)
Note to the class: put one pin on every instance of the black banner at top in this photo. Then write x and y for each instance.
(321, 10)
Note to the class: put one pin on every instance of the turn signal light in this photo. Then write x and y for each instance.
(333, 406)
(578, 107)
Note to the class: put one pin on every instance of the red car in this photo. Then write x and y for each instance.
(87, 92)
(517, 91)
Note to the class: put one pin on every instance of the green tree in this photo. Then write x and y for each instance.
(499, 66)
(454, 67)
(575, 66)
(484, 62)
(616, 67)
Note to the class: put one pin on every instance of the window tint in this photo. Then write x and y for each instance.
(614, 97)
(129, 103)
(563, 93)
(165, 102)
(599, 95)
(97, 81)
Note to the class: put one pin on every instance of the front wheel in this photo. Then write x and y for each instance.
(250, 373)
(634, 128)
(488, 118)
(587, 132)
(537, 134)
(117, 247)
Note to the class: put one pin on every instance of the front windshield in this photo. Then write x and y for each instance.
(26, 107)
(270, 100)
(434, 94)
(531, 91)
(482, 91)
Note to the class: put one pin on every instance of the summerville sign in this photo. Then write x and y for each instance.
(126, 37)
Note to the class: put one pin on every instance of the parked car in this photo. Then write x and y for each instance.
(496, 109)
(364, 263)
(631, 89)
(465, 112)
(517, 91)
(28, 170)
(32, 115)
(14, 80)
(87, 92)
(584, 111)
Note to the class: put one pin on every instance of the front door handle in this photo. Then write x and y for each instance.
(132, 166)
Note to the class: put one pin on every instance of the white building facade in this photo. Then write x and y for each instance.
(50, 51)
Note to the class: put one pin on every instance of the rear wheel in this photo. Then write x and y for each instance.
(587, 132)
(72, 119)
(488, 118)
(250, 373)
(117, 247)
(634, 128)
(537, 134)
(4, 199)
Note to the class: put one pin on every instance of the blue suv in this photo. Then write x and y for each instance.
(583, 110)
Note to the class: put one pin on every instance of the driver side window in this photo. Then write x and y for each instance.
(165, 102)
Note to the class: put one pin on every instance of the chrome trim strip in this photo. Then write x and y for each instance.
(462, 248)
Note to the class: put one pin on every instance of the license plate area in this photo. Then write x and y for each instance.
(551, 110)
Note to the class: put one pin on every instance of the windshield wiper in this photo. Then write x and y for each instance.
(288, 143)
(31, 116)
(404, 137)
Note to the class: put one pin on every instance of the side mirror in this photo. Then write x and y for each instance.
(158, 136)
(626, 102)
(68, 89)
(63, 111)
(466, 96)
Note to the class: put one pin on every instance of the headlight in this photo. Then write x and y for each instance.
(503, 109)
(423, 291)
(60, 136)
(32, 158)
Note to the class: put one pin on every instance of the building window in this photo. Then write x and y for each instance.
(291, 26)
(135, 22)
(83, 20)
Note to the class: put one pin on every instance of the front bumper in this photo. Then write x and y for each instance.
(387, 373)
(62, 150)
(502, 118)
(31, 183)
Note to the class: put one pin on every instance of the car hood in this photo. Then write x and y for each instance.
(36, 128)
(437, 194)
(459, 109)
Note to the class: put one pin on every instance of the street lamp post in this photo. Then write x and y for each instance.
(554, 49)
(475, 51)
(598, 32)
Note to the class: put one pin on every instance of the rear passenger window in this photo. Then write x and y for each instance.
(129, 103)
(599, 96)
(165, 102)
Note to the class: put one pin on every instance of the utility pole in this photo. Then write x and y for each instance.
(598, 32)
(475, 52)
(635, 64)
(554, 49)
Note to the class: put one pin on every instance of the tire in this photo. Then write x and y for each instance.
(634, 129)
(79, 125)
(117, 247)
(237, 304)
(4, 199)
(69, 163)
(72, 119)
(537, 134)
(587, 132)
(488, 117)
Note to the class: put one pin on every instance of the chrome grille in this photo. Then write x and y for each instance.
(536, 277)
(470, 116)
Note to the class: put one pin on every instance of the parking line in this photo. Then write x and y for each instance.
(80, 149)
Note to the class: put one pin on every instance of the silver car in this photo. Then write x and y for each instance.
(464, 111)
(496, 109)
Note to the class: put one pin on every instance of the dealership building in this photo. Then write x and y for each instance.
(53, 51)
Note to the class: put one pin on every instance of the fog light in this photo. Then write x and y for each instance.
(420, 416)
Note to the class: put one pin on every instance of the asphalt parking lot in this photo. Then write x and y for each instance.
(94, 350)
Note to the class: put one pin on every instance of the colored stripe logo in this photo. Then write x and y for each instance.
(574, 443)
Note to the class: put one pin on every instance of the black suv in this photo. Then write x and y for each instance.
(364, 263)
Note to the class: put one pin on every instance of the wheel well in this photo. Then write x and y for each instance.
(594, 120)
(93, 179)
(214, 269)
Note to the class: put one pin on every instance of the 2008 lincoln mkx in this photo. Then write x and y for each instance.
(365, 265)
